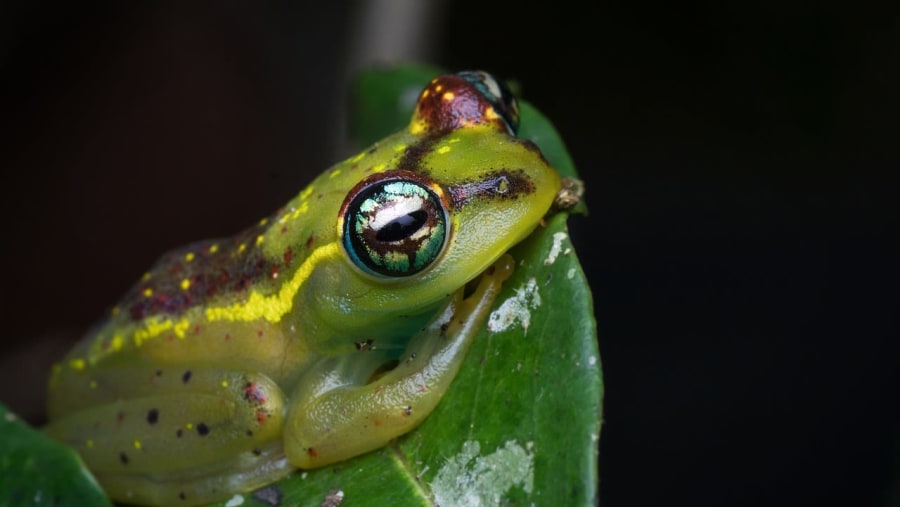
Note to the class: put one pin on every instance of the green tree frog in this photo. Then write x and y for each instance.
(323, 331)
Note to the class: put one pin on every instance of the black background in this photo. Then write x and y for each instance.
(741, 175)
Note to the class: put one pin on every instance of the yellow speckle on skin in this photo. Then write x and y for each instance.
(89, 444)
(438, 88)
(443, 149)
(77, 364)
(356, 158)
(399, 147)
(259, 240)
(334, 174)
(426, 93)
(181, 328)
(148, 292)
(188, 257)
(224, 383)
(114, 310)
(301, 210)
(242, 247)
(213, 248)
(379, 167)
(448, 97)
(93, 384)
(137, 444)
(189, 426)
(185, 284)
(491, 114)
(117, 342)
(417, 127)
(264, 221)
(145, 276)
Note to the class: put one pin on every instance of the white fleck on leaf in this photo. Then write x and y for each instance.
(235, 501)
(470, 480)
(516, 309)
(558, 238)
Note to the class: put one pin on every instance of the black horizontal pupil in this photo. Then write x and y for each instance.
(402, 227)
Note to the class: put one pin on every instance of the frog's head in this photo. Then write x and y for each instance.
(436, 205)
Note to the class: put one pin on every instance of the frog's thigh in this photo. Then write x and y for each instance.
(328, 425)
(204, 433)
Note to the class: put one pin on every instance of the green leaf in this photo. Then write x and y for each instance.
(35, 470)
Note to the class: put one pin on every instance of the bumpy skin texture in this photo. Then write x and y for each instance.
(232, 362)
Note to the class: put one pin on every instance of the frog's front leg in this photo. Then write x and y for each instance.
(182, 436)
(337, 416)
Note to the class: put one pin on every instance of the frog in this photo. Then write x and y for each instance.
(323, 331)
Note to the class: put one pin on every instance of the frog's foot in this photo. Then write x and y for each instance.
(569, 195)
(346, 414)
(186, 436)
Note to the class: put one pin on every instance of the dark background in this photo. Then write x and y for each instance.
(741, 174)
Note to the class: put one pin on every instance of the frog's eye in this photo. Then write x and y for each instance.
(394, 224)
(498, 94)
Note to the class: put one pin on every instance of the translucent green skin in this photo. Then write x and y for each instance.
(232, 362)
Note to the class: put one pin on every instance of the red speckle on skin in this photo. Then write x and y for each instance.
(309, 241)
(170, 337)
(377, 422)
(120, 417)
(105, 345)
(273, 272)
(378, 389)
(312, 452)
(288, 255)
(259, 333)
(227, 336)
(197, 329)
(283, 229)
(261, 416)
(253, 393)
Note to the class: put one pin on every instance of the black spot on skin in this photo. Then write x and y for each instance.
(179, 433)
(152, 416)
(257, 451)
(186, 377)
(123, 458)
(182, 496)
(159, 373)
(249, 433)
(202, 429)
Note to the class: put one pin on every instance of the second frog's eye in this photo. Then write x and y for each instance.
(394, 224)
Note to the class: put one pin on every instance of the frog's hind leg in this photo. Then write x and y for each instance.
(334, 418)
(182, 437)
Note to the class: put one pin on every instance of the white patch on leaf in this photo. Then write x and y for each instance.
(235, 501)
(555, 248)
(470, 480)
(516, 309)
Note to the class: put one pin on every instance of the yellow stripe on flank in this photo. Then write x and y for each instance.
(275, 306)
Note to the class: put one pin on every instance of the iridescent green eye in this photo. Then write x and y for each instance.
(394, 224)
